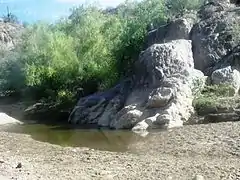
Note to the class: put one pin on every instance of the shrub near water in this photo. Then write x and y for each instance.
(89, 51)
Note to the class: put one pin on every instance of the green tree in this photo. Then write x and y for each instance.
(90, 50)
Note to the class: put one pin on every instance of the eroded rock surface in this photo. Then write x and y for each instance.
(160, 96)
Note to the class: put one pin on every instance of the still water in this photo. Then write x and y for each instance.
(99, 139)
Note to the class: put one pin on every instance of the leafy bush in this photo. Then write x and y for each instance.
(214, 96)
(11, 73)
(89, 51)
(135, 18)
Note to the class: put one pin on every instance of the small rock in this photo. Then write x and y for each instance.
(198, 177)
(19, 165)
(227, 75)
(1, 162)
(74, 150)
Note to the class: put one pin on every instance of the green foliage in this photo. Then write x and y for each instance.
(135, 18)
(11, 74)
(90, 50)
(213, 97)
(222, 90)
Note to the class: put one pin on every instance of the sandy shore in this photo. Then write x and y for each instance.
(212, 151)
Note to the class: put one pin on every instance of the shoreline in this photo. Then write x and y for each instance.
(211, 150)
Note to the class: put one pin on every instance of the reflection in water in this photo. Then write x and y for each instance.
(117, 141)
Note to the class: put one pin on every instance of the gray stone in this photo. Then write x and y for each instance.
(178, 28)
(213, 36)
(197, 82)
(231, 59)
(174, 107)
(160, 96)
(110, 111)
(98, 108)
(227, 75)
(127, 120)
(9, 35)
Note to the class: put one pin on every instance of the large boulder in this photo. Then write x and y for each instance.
(178, 28)
(214, 36)
(100, 108)
(159, 96)
(226, 75)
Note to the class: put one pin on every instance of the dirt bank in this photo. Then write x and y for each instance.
(210, 150)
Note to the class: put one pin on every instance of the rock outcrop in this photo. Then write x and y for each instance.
(178, 28)
(160, 97)
(9, 35)
(9, 38)
(213, 36)
(226, 75)
(171, 71)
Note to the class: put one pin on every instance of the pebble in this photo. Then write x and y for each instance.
(19, 165)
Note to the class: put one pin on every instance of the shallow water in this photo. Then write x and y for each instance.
(99, 139)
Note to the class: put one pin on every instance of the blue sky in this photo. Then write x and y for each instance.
(46, 10)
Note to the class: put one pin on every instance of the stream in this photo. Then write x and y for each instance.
(98, 139)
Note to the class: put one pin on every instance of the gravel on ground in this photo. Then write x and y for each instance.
(211, 151)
